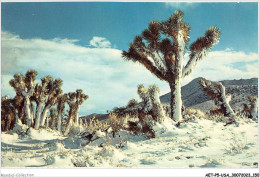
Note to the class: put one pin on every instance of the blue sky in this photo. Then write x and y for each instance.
(82, 42)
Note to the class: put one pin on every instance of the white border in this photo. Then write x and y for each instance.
(96, 172)
(114, 172)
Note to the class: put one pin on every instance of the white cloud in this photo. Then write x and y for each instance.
(228, 64)
(100, 42)
(101, 72)
(180, 5)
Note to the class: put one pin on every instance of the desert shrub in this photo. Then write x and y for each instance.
(118, 123)
(251, 110)
(218, 117)
(196, 112)
(236, 144)
(94, 125)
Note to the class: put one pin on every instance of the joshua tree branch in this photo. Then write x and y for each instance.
(135, 56)
(192, 63)
(217, 93)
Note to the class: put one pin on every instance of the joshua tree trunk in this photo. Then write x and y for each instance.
(44, 114)
(59, 121)
(67, 130)
(38, 115)
(47, 122)
(53, 124)
(176, 102)
(77, 115)
(27, 110)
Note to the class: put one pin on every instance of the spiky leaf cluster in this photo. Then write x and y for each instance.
(212, 89)
(23, 83)
(206, 42)
(158, 45)
(174, 25)
(62, 99)
(80, 96)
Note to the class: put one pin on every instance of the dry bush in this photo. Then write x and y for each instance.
(237, 144)
(118, 123)
(218, 118)
(196, 112)
(94, 125)
(191, 114)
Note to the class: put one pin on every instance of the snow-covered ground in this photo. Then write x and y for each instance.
(199, 143)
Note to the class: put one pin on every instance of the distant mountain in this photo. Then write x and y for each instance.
(252, 81)
(99, 117)
(194, 97)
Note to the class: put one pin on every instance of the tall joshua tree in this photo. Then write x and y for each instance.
(161, 49)
(80, 98)
(53, 92)
(24, 86)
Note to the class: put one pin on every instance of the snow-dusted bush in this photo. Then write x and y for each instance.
(149, 111)
(236, 144)
(105, 157)
(94, 125)
(191, 114)
(118, 123)
(22, 130)
(251, 110)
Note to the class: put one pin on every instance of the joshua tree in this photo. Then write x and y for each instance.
(12, 110)
(157, 107)
(150, 105)
(40, 96)
(8, 116)
(24, 86)
(251, 110)
(149, 109)
(60, 107)
(72, 111)
(53, 92)
(80, 98)
(74, 100)
(146, 104)
(216, 91)
(161, 50)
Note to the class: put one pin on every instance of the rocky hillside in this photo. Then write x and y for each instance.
(194, 97)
